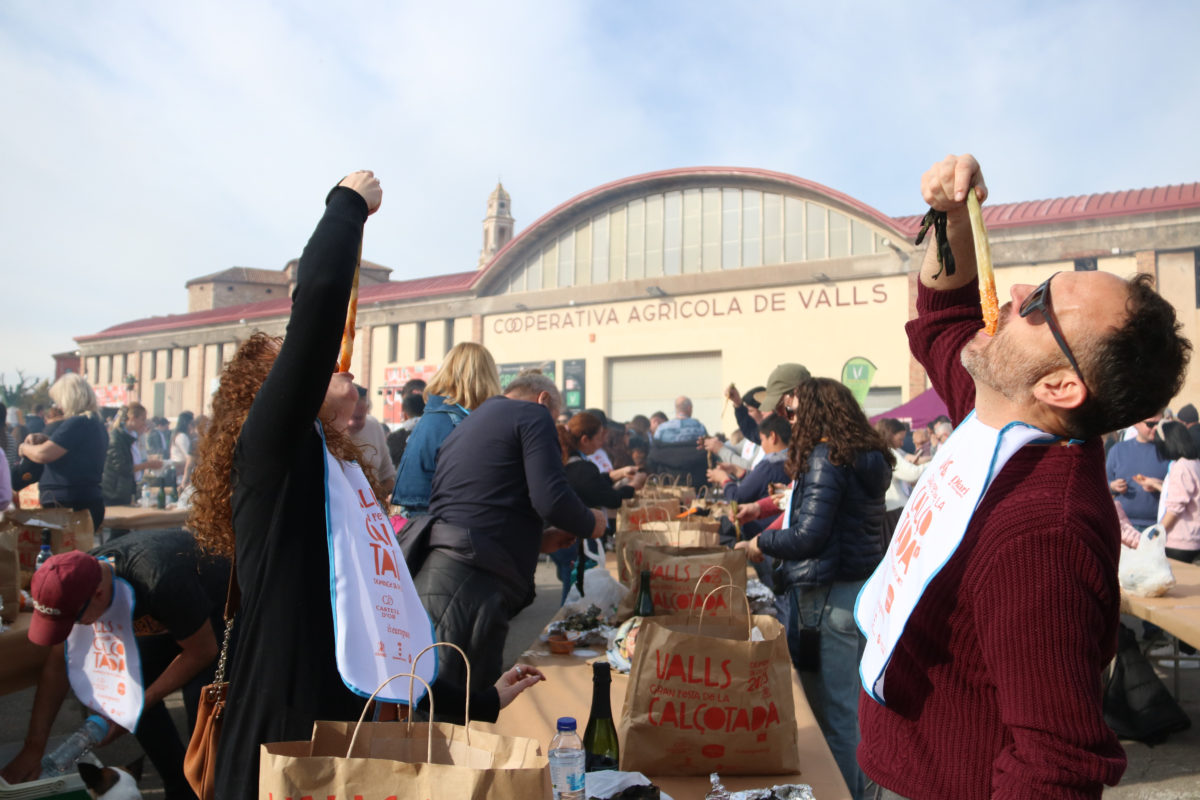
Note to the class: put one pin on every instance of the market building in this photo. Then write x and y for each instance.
(673, 282)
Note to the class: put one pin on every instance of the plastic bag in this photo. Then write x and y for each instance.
(599, 586)
(1145, 571)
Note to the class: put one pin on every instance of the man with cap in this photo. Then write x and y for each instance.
(150, 593)
(783, 379)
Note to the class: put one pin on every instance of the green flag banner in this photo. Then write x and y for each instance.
(857, 375)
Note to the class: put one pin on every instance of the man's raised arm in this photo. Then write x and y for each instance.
(944, 186)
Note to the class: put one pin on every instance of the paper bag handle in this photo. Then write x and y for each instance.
(363, 715)
(704, 575)
(700, 627)
(466, 699)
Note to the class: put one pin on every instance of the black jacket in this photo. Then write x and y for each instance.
(117, 483)
(837, 524)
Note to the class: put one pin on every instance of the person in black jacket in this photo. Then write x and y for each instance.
(827, 547)
(260, 492)
(499, 482)
(126, 458)
(581, 436)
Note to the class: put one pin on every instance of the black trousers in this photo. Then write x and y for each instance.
(468, 609)
(156, 731)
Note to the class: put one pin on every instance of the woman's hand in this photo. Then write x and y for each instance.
(622, 473)
(748, 512)
(718, 476)
(638, 480)
(366, 184)
(1149, 484)
(515, 681)
(753, 553)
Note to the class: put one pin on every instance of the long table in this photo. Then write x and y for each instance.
(567, 691)
(1178, 611)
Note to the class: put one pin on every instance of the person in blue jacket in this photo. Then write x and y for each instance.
(466, 378)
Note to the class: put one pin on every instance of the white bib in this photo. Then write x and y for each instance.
(929, 531)
(103, 662)
(379, 622)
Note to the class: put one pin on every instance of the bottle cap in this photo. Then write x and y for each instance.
(101, 721)
(601, 671)
(566, 723)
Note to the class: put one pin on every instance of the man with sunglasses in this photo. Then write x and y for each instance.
(1131, 465)
(174, 599)
(996, 608)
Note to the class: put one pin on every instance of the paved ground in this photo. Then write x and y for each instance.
(1170, 771)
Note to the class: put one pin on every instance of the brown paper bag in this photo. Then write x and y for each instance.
(682, 577)
(69, 530)
(704, 698)
(676, 533)
(633, 513)
(10, 573)
(389, 761)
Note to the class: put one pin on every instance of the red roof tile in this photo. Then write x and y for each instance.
(1080, 207)
(397, 290)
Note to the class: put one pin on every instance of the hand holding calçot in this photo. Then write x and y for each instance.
(944, 185)
(366, 184)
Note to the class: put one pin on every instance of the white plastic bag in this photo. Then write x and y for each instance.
(1145, 571)
(599, 586)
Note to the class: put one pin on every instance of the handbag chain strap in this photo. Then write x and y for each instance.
(219, 678)
(233, 601)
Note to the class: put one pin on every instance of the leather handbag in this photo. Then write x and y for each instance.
(200, 761)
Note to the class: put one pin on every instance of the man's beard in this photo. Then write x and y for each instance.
(1000, 366)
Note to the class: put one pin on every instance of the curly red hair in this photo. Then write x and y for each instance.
(211, 516)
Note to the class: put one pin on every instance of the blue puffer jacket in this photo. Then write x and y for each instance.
(414, 478)
(836, 530)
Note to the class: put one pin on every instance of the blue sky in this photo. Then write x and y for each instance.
(148, 143)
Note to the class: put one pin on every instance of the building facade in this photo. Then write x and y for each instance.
(674, 282)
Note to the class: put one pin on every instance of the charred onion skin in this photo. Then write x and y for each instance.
(983, 261)
(351, 319)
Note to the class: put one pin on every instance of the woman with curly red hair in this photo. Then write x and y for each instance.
(275, 441)
(831, 539)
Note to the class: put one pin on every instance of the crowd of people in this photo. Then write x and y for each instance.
(991, 657)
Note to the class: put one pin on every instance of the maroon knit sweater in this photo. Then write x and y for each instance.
(994, 688)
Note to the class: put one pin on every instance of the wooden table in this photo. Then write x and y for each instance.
(20, 659)
(567, 691)
(1178, 611)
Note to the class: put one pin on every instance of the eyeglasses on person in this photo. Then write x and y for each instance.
(1039, 300)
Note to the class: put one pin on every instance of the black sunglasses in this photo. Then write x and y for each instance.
(1039, 300)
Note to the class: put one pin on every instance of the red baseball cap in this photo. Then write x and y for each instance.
(61, 589)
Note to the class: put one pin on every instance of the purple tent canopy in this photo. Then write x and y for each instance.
(921, 410)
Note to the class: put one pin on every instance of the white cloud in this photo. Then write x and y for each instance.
(146, 144)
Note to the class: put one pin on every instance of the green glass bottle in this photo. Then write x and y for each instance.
(645, 601)
(600, 739)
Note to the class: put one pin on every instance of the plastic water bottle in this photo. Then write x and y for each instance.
(566, 762)
(44, 553)
(87, 736)
(147, 495)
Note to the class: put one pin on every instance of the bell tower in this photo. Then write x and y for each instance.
(497, 225)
